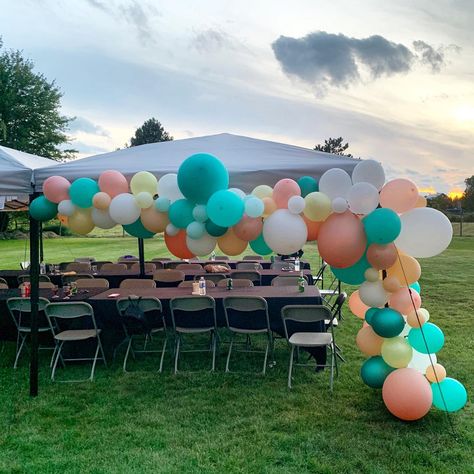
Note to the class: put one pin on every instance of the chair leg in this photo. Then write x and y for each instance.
(102, 351)
(214, 350)
(335, 359)
(266, 357)
(229, 353)
(19, 349)
(163, 353)
(58, 356)
(95, 360)
(176, 356)
(331, 380)
(52, 356)
(127, 352)
(290, 368)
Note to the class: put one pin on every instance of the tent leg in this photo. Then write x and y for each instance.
(141, 257)
(41, 252)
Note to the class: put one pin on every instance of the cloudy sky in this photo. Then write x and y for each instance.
(395, 79)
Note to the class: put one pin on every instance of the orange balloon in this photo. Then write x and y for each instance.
(270, 206)
(417, 318)
(153, 220)
(422, 202)
(230, 244)
(356, 306)
(341, 240)
(407, 394)
(313, 228)
(400, 195)
(101, 201)
(435, 373)
(248, 228)
(402, 302)
(62, 219)
(382, 256)
(406, 269)
(283, 190)
(391, 284)
(177, 245)
(369, 342)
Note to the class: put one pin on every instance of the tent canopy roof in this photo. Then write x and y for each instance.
(250, 161)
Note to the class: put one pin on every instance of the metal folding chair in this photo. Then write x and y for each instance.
(189, 266)
(150, 267)
(67, 279)
(215, 277)
(113, 267)
(23, 278)
(85, 283)
(137, 283)
(290, 280)
(253, 276)
(248, 266)
(167, 278)
(236, 283)
(253, 257)
(78, 267)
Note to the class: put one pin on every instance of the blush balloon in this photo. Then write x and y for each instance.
(56, 189)
(382, 257)
(154, 220)
(400, 195)
(356, 306)
(230, 244)
(283, 190)
(404, 299)
(101, 201)
(248, 228)
(369, 342)
(113, 183)
(406, 269)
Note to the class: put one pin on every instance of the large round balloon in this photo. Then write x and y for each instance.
(202, 246)
(143, 181)
(335, 183)
(153, 220)
(396, 352)
(56, 189)
(81, 222)
(215, 230)
(176, 244)
(123, 209)
(341, 240)
(181, 213)
(283, 191)
(368, 341)
(407, 394)
(374, 371)
(369, 171)
(382, 257)
(259, 246)
(421, 361)
(353, 275)
(425, 232)
(82, 192)
(285, 233)
(66, 208)
(136, 229)
(382, 226)
(317, 207)
(225, 208)
(248, 228)
(387, 322)
(230, 244)
(102, 219)
(168, 187)
(307, 185)
(363, 198)
(113, 183)
(428, 339)
(449, 395)
(406, 269)
(200, 176)
(42, 209)
(400, 195)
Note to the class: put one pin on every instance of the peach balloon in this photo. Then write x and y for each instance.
(342, 240)
(421, 202)
(56, 189)
(153, 220)
(435, 373)
(313, 228)
(407, 394)
(402, 302)
(391, 284)
(113, 183)
(382, 256)
(230, 244)
(406, 269)
(417, 318)
(177, 245)
(101, 201)
(269, 206)
(369, 342)
(248, 228)
(283, 190)
(356, 306)
(400, 195)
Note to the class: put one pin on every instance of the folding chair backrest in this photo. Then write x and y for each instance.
(99, 263)
(253, 257)
(146, 304)
(248, 266)
(246, 312)
(92, 283)
(283, 280)
(84, 259)
(321, 271)
(158, 265)
(193, 312)
(215, 277)
(153, 315)
(44, 285)
(2, 280)
(174, 263)
(78, 276)
(189, 284)
(3, 285)
(236, 283)
(20, 311)
(304, 318)
(221, 257)
(282, 266)
(161, 259)
(59, 312)
(247, 274)
(137, 283)
(127, 258)
(189, 266)
(113, 267)
(149, 267)
(337, 305)
(23, 278)
(78, 267)
(168, 276)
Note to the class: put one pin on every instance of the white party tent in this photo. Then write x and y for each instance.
(250, 161)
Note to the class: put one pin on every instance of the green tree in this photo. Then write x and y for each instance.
(150, 132)
(334, 146)
(30, 118)
(468, 199)
(440, 202)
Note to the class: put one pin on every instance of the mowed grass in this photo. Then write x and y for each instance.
(197, 422)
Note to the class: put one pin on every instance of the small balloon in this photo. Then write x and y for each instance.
(372, 293)
(254, 207)
(102, 218)
(248, 228)
(172, 230)
(387, 322)
(283, 191)
(382, 226)
(368, 341)
(406, 269)
(417, 318)
(195, 230)
(66, 208)
(162, 204)
(435, 373)
(123, 209)
(225, 208)
(101, 201)
(202, 246)
(181, 213)
(200, 213)
(263, 191)
(296, 204)
(396, 352)
(421, 362)
(215, 230)
(153, 220)
(339, 205)
(374, 371)
(56, 189)
(382, 257)
(307, 185)
(144, 200)
(43, 210)
(405, 300)
(318, 206)
(371, 274)
(81, 222)
(269, 206)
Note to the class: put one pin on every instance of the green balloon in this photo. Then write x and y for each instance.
(225, 208)
(353, 275)
(82, 192)
(387, 322)
(430, 333)
(382, 226)
(214, 229)
(136, 229)
(307, 185)
(43, 210)
(180, 213)
(369, 314)
(200, 176)
(374, 371)
(259, 246)
(453, 392)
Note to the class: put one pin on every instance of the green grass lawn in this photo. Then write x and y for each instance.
(242, 422)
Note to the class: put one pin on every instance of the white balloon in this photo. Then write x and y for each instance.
(425, 232)
(339, 205)
(335, 183)
(363, 198)
(421, 361)
(296, 204)
(171, 230)
(369, 171)
(202, 246)
(123, 209)
(372, 294)
(406, 329)
(102, 219)
(66, 208)
(168, 187)
(285, 233)
(237, 191)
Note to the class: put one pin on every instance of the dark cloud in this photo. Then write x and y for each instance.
(81, 124)
(435, 58)
(212, 40)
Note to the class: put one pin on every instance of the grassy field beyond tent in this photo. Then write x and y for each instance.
(197, 422)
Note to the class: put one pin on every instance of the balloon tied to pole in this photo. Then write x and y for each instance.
(368, 230)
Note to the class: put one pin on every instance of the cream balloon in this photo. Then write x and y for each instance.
(369, 171)
(318, 206)
(262, 191)
(143, 181)
(102, 219)
(123, 209)
(285, 233)
(144, 200)
(296, 204)
(202, 246)
(168, 187)
(81, 222)
(335, 183)
(372, 294)
(363, 198)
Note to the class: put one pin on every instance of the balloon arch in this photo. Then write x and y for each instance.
(367, 230)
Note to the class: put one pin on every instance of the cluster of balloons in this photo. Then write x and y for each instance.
(369, 231)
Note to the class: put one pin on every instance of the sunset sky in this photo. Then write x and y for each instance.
(395, 79)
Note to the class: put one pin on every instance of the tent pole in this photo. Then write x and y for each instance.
(34, 298)
(141, 257)
(41, 252)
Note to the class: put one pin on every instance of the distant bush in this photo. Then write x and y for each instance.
(58, 229)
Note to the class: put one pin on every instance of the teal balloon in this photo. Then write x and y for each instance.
(43, 210)
(200, 176)
(162, 204)
(369, 314)
(453, 392)
(260, 247)
(225, 208)
(432, 334)
(307, 185)
(82, 192)
(195, 230)
(374, 371)
(214, 229)
(382, 226)
(416, 286)
(387, 322)
(136, 229)
(353, 275)
(180, 213)
(200, 213)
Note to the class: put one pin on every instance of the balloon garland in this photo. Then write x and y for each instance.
(369, 231)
